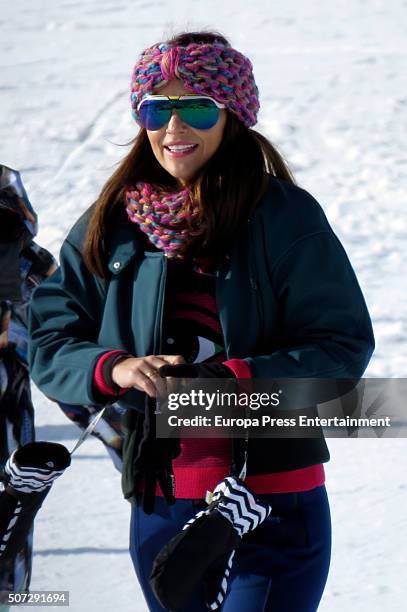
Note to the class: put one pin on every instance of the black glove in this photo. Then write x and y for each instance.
(202, 553)
(153, 463)
(196, 370)
(29, 474)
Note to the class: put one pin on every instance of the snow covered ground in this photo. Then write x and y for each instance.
(333, 89)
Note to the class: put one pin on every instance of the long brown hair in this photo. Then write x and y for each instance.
(227, 188)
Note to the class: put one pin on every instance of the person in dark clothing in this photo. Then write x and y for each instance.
(24, 264)
(202, 251)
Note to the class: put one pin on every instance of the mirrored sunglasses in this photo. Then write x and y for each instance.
(200, 112)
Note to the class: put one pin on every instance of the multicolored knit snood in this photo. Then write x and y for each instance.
(211, 69)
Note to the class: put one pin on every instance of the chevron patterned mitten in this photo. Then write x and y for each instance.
(203, 551)
(30, 472)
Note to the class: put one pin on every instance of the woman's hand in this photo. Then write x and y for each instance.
(142, 372)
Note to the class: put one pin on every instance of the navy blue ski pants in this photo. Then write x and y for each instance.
(282, 566)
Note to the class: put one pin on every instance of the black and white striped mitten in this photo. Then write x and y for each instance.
(30, 472)
(202, 553)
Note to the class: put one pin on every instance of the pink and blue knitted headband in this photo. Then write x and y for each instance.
(211, 69)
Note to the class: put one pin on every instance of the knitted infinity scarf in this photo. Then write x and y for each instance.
(168, 219)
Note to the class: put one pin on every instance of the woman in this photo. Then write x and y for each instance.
(201, 250)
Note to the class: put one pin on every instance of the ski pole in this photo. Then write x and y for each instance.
(89, 429)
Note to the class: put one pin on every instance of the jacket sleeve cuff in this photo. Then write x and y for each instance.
(239, 367)
(99, 375)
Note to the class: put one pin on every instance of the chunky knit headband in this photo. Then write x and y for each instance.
(211, 69)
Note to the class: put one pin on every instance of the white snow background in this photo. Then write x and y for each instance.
(333, 92)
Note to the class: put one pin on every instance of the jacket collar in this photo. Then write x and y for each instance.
(127, 240)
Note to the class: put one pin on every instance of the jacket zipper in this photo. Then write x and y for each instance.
(253, 279)
(162, 298)
(158, 341)
(218, 278)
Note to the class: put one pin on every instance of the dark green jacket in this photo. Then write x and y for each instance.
(289, 303)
